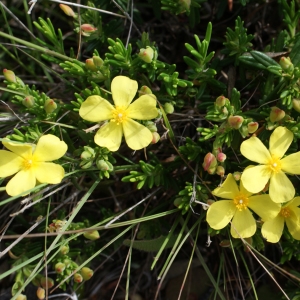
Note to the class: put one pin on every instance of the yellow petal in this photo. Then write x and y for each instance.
(293, 224)
(96, 109)
(243, 224)
(144, 108)
(49, 173)
(137, 136)
(280, 140)
(123, 90)
(228, 189)
(242, 188)
(281, 189)
(49, 147)
(10, 163)
(272, 229)
(255, 150)
(264, 207)
(291, 163)
(20, 183)
(294, 203)
(23, 150)
(220, 213)
(254, 179)
(109, 136)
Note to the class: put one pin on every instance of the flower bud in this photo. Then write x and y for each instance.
(220, 171)
(59, 267)
(46, 282)
(235, 121)
(237, 176)
(87, 29)
(78, 278)
(67, 10)
(296, 105)
(210, 202)
(276, 114)
(98, 62)
(169, 108)
(221, 101)
(252, 127)
(90, 65)
(88, 153)
(286, 64)
(9, 76)
(86, 164)
(92, 235)
(221, 157)
(64, 249)
(86, 273)
(40, 293)
(21, 297)
(185, 4)
(102, 165)
(144, 90)
(210, 163)
(151, 126)
(155, 137)
(28, 101)
(146, 54)
(50, 106)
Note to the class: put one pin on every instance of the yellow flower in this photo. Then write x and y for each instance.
(97, 109)
(289, 214)
(272, 165)
(237, 207)
(31, 163)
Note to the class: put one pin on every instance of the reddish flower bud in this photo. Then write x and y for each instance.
(64, 249)
(40, 293)
(252, 127)
(9, 76)
(47, 282)
(88, 28)
(210, 163)
(155, 137)
(89, 64)
(146, 54)
(78, 278)
(28, 101)
(286, 64)
(98, 62)
(276, 114)
(50, 106)
(60, 267)
(67, 10)
(221, 101)
(237, 176)
(235, 121)
(86, 273)
(221, 157)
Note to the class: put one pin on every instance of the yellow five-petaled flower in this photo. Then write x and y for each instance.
(289, 214)
(31, 163)
(235, 205)
(272, 165)
(121, 115)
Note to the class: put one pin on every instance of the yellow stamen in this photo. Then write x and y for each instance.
(119, 115)
(241, 202)
(28, 163)
(274, 164)
(285, 212)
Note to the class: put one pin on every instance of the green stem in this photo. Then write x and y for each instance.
(39, 48)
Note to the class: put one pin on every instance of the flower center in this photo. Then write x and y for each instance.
(28, 163)
(119, 115)
(285, 212)
(241, 202)
(274, 164)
